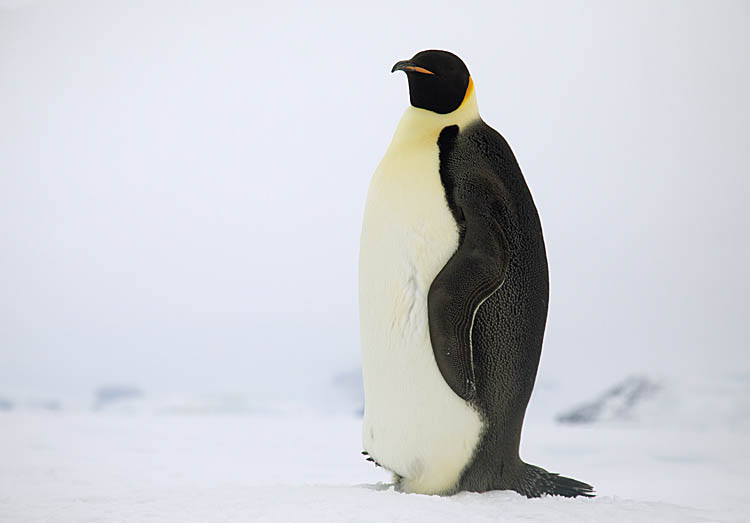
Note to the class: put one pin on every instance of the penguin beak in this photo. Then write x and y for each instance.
(407, 66)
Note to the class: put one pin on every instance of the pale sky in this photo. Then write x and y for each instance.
(182, 184)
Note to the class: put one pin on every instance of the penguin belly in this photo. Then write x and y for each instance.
(414, 424)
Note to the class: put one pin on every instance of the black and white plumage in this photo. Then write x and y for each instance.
(453, 297)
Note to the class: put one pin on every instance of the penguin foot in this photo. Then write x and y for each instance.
(398, 482)
(535, 482)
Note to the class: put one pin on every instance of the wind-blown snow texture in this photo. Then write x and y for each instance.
(115, 467)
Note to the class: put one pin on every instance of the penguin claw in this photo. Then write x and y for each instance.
(370, 458)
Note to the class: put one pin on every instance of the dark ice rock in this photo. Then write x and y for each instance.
(106, 396)
(616, 404)
(52, 405)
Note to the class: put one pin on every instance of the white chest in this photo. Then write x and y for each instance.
(414, 425)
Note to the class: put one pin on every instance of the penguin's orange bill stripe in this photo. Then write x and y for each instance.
(418, 69)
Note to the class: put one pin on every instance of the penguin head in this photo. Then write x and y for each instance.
(438, 80)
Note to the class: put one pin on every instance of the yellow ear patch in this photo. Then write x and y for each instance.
(469, 90)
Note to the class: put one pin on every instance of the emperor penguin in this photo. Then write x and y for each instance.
(453, 293)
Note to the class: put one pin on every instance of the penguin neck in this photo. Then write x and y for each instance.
(420, 124)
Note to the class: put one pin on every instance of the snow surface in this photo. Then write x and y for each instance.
(70, 466)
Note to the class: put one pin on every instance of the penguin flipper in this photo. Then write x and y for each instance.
(475, 272)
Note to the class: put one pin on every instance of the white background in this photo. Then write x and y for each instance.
(182, 184)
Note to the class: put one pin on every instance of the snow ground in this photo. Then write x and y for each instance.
(70, 466)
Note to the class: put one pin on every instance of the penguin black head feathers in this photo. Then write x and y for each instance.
(438, 80)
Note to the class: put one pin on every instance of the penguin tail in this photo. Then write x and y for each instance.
(535, 482)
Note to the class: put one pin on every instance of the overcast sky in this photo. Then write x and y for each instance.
(182, 183)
